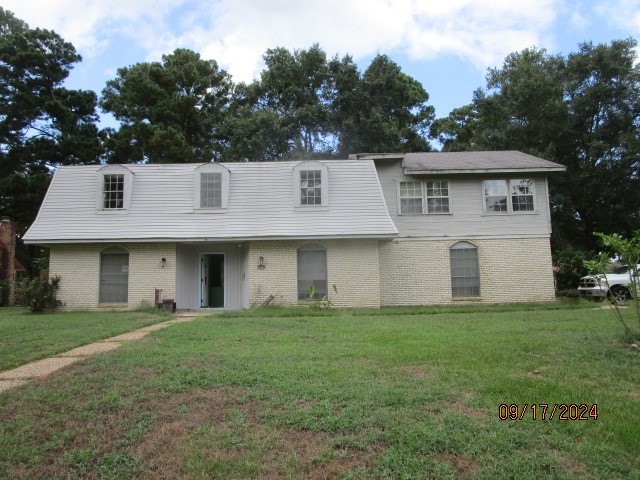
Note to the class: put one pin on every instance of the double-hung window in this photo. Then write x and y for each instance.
(211, 188)
(437, 196)
(418, 197)
(114, 185)
(410, 197)
(515, 195)
(521, 195)
(311, 187)
(113, 191)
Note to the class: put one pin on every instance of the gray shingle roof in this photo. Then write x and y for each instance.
(476, 162)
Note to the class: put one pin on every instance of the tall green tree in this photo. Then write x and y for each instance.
(42, 123)
(381, 110)
(305, 105)
(285, 113)
(581, 110)
(170, 111)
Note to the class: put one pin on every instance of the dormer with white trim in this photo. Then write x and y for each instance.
(211, 188)
(114, 185)
(310, 185)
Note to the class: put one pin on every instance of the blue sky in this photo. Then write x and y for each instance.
(445, 45)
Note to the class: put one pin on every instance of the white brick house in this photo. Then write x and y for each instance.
(383, 229)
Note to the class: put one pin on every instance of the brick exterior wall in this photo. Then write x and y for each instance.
(352, 266)
(78, 266)
(415, 272)
(366, 273)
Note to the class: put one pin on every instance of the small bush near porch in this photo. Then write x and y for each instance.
(288, 393)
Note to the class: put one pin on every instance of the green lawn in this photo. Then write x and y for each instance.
(289, 393)
(25, 337)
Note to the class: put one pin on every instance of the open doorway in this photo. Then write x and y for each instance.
(212, 280)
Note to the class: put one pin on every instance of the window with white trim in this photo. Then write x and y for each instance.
(429, 196)
(508, 196)
(410, 197)
(465, 272)
(114, 185)
(437, 196)
(521, 195)
(113, 191)
(312, 271)
(211, 188)
(310, 185)
(114, 275)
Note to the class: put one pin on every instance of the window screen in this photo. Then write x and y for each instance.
(312, 270)
(465, 274)
(114, 275)
(210, 190)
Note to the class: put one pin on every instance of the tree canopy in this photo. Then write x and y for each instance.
(307, 106)
(170, 111)
(42, 123)
(581, 110)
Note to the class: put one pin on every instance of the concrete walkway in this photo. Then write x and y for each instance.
(41, 368)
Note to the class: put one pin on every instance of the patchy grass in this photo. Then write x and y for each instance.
(343, 395)
(25, 336)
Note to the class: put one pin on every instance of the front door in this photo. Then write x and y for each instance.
(212, 280)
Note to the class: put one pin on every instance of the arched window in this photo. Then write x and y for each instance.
(465, 273)
(312, 271)
(114, 275)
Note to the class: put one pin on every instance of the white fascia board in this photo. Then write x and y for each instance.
(45, 242)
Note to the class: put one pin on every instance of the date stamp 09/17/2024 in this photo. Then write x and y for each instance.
(548, 411)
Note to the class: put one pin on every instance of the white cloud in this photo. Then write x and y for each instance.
(622, 14)
(237, 32)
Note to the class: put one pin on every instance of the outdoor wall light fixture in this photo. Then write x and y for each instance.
(261, 265)
(163, 262)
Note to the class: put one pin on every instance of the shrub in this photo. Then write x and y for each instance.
(570, 268)
(40, 294)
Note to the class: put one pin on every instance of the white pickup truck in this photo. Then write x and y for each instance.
(616, 284)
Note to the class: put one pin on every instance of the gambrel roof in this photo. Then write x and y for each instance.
(260, 205)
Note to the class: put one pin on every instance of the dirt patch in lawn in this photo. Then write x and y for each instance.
(416, 371)
(464, 464)
(217, 430)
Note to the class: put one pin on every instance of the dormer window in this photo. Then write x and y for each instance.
(113, 191)
(211, 188)
(310, 184)
(114, 188)
(311, 187)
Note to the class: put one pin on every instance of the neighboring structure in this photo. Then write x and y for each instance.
(384, 229)
(9, 265)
